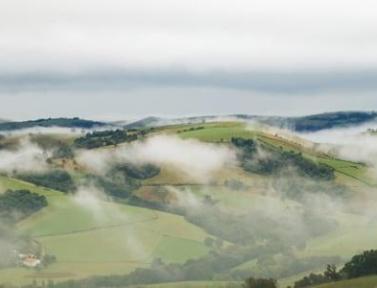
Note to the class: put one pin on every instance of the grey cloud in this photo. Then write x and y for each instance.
(297, 82)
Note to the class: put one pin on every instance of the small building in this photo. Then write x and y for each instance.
(29, 260)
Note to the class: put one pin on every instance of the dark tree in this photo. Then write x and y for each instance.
(361, 265)
(259, 283)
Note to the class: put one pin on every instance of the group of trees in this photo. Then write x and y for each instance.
(329, 275)
(115, 185)
(363, 264)
(259, 283)
(140, 172)
(104, 138)
(258, 158)
(122, 180)
(55, 179)
(17, 204)
(63, 151)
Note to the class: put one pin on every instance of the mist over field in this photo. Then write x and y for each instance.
(356, 143)
(190, 144)
(265, 201)
(190, 157)
(26, 157)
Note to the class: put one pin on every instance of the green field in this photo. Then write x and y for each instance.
(224, 131)
(364, 282)
(113, 240)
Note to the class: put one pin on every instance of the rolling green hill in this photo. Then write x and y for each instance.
(74, 234)
(105, 236)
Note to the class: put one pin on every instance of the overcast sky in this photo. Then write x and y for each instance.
(125, 59)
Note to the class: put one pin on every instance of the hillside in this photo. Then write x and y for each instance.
(179, 213)
(65, 227)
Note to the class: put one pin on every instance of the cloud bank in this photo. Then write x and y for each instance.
(192, 158)
(27, 157)
(247, 56)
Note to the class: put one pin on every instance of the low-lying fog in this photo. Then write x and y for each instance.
(357, 143)
(285, 219)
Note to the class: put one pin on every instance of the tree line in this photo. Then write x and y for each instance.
(363, 264)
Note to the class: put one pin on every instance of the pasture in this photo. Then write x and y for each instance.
(115, 239)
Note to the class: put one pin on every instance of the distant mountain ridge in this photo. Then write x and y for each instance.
(316, 122)
(309, 123)
(51, 122)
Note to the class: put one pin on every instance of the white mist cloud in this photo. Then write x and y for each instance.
(27, 157)
(90, 198)
(185, 198)
(198, 35)
(46, 130)
(104, 212)
(351, 143)
(190, 157)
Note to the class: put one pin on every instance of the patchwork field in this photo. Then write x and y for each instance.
(114, 240)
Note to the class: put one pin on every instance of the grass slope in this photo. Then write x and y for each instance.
(107, 238)
(363, 282)
(111, 238)
(224, 131)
